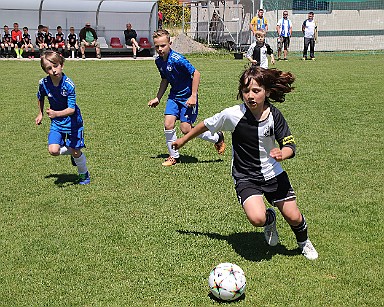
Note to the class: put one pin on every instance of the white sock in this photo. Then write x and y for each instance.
(170, 137)
(64, 150)
(207, 136)
(81, 163)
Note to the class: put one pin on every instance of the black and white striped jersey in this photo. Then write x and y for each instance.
(253, 140)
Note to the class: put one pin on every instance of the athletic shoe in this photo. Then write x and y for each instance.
(73, 161)
(285, 59)
(99, 56)
(308, 250)
(84, 178)
(134, 56)
(170, 161)
(313, 59)
(83, 56)
(220, 145)
(304, 58)
(139, 49)
(270, 231)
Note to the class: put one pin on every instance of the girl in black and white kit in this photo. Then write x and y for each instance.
(256, 125)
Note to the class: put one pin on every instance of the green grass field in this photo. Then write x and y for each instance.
(145, 235)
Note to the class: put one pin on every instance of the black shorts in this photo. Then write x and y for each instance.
(283, 41)
(275, 190)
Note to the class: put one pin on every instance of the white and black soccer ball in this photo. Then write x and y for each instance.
(227, 281)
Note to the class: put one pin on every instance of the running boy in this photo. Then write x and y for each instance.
(66, 132)
(182, 103)
(258, 51)
(255, 125)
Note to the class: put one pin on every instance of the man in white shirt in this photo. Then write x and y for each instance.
(284, 33)
(309, 28)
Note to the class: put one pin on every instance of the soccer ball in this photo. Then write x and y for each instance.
(227, 281)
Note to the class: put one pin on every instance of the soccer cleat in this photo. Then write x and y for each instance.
(171, 161)
(99, 56)
(134, 56)
(308, 250)
(220, 145)
(73, 161)
(313, 59)
(270, 231)
(83, 56)
(84, 178)
(285, 59)
(304, 58)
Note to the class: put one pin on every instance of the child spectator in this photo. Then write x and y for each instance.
(49, 40)
(258, 51)
(6, 44)
(17, 36)
(256, 125)
(27, 45)
(182, 103)
(59, 40)
(67, 130)
(40, 39)
(73, 43)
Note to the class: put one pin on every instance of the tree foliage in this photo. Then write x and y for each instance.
(173, 12)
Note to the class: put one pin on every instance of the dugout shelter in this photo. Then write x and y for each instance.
(107, 17)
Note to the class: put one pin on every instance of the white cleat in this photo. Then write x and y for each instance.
(308, 250)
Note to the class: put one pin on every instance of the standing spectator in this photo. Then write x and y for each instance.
(88, 38)
(27, 44)
(40, 39)
(59, 40)
(73, 43)
(159, 19)
(284, 33)
(130, 39)
(17, 37)
(6, 43)
(258, 52)
(259, 22)
(309, 28)
(182, 102)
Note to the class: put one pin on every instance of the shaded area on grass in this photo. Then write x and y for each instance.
(249, 245)
(188, 159)
(63, 180)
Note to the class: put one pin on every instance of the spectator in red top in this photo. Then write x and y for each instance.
(17, 37)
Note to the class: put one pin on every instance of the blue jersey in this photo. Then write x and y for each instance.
(178, 71)
(61, 97)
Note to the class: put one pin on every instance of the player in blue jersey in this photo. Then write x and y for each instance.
(67, 130)
(182, 103)
(256, 125)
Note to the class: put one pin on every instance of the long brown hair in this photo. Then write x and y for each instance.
(277, 82)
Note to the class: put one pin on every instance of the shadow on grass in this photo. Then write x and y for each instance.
(188, 159)
(214, 298)
(249, 245)
(63, 180)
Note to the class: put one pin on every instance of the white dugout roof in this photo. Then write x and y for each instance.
(108, 17)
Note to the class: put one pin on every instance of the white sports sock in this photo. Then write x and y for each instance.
(170, 137)
(207, 136)
(81, 163)
(64, 150)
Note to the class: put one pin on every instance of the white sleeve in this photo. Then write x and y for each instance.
(226, 120)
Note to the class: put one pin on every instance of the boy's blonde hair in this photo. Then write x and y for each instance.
(51, 56)
(161, 32)
(260, 33)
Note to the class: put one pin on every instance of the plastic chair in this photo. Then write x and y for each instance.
(144, 43)
(115, 42)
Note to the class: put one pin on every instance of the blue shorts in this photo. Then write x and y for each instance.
(73, 140)
(182, 112)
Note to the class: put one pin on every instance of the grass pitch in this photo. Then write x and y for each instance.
(144, 235)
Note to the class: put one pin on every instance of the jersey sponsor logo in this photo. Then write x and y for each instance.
(268, 131)
(169, 67)
(288, 140)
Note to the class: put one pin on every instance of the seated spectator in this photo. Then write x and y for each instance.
(27, 45)
(88, 38)
(59, 40)
(73, 43)
(49, 40)
(130, 39)
(17, 35)
(6, 44)
(40, 39)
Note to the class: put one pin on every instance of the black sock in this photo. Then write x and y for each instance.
(270, 217)
(300, 230)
